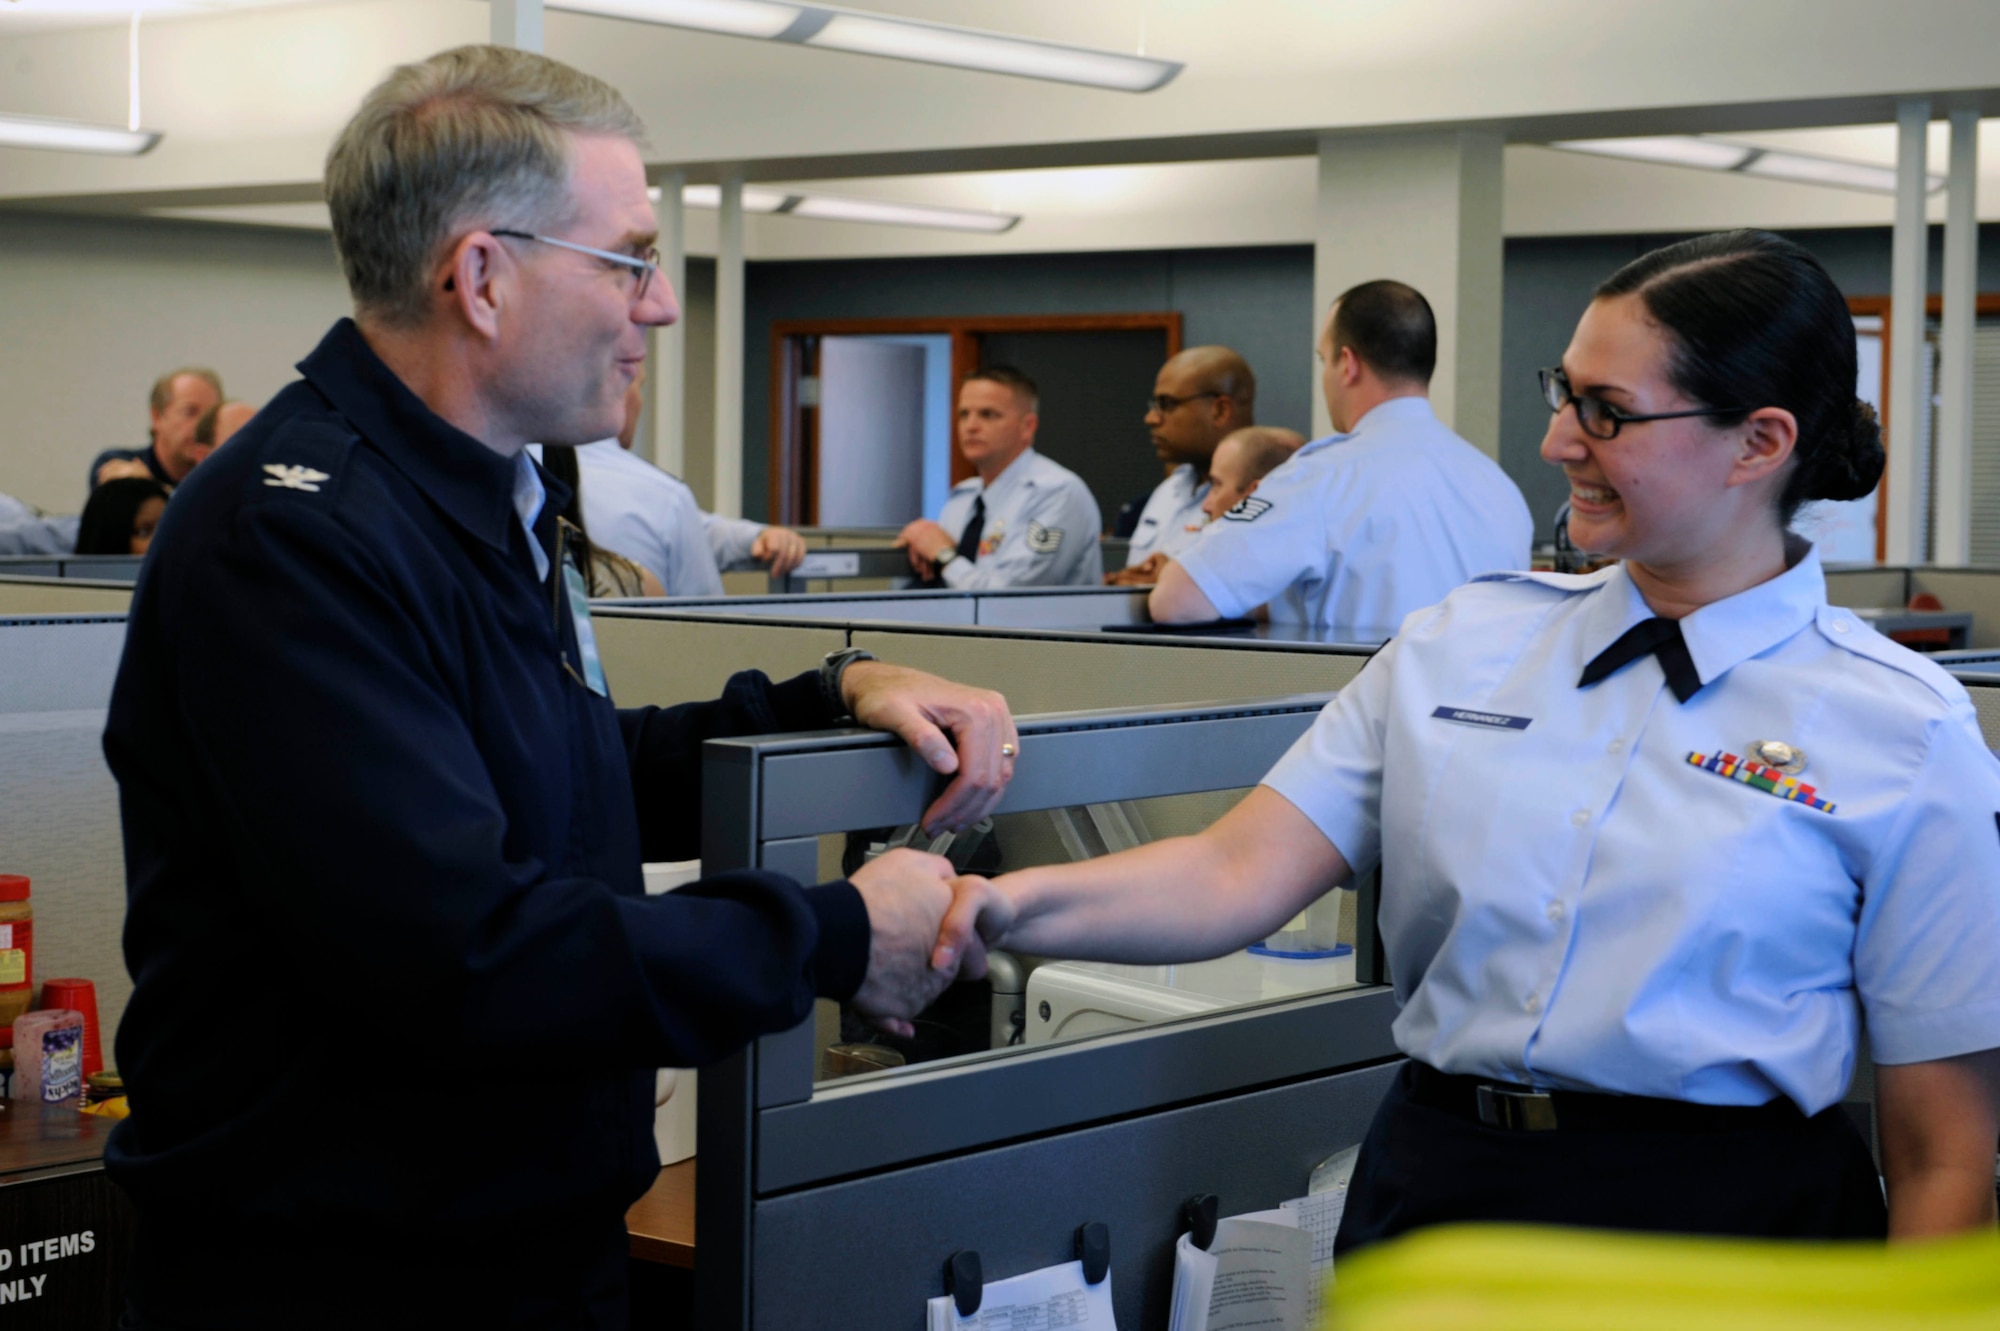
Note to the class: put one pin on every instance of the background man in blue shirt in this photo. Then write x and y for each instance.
(179, 400)
(371, 776)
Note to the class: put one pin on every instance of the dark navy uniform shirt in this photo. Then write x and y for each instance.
(146, 455)
(399, 994)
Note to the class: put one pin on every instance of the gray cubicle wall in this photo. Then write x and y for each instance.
(58, 803)
(836, 1205)
(1974, 591)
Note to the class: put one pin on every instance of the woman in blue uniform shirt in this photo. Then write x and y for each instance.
(1654, 840)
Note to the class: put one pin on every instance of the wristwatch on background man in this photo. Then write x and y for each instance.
(943, 557)
(830, 670)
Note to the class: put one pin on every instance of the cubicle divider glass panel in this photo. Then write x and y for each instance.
(788, 1161)
(102, 568)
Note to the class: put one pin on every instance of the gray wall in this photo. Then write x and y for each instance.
(1256, 300)
(92, 310)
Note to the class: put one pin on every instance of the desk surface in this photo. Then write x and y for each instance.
(662, 1222)
(35, 1136)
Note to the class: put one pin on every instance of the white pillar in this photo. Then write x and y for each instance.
(1423, 209)
(729, 328)
(1952, 543)
(518, 23)
(1903, 499)
(669, 375)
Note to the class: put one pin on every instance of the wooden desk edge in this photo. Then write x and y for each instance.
(661, 1224)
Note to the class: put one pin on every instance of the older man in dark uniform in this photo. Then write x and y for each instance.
(399, 993)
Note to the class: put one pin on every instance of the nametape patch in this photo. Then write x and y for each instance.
(1248, 509)
(1484, 720)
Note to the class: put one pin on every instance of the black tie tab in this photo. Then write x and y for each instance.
(975, 527)
(1651, 637)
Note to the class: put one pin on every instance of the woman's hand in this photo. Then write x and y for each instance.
(980, 914)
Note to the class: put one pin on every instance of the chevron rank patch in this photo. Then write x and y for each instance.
(1044, 540)
(1248, 509)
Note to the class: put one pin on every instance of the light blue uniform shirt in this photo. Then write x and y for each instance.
(1360, 529)
(1041, 528)
(632, 508)
(1570, 901)
(1171, 519)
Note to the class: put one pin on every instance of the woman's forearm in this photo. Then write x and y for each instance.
(1177, 900)
(1939, 1121)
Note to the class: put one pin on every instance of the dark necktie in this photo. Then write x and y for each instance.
(968, 540)
(1651, 637)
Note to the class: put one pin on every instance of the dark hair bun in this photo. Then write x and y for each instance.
(1849, 462)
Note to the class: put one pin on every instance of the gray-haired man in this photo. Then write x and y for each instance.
(399, 993)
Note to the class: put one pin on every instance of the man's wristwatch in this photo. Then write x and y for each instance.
(945, 556)
(830, 670)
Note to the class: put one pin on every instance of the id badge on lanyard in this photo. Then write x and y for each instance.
(576, 595)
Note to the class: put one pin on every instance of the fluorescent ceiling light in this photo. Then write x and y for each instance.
(74, 136)
(1827, 171)
(833, 208)
(838, 208)
(896, 38)
(1743, 159)
(736, 18)
(1675, 151)
(969, 48)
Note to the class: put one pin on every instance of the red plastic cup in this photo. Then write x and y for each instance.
(78, 996)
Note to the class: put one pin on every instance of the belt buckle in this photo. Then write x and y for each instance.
(1516, 1110)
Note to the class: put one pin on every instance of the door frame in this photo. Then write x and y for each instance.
(794, 443)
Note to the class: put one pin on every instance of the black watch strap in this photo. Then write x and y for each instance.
(830, 670)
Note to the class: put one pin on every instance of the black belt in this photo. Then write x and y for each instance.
(1500, 1104)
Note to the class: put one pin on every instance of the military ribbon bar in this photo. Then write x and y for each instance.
(1767, 779)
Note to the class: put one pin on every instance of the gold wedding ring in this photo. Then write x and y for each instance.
(1008, 750)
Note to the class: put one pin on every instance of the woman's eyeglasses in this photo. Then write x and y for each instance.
(1601, 420)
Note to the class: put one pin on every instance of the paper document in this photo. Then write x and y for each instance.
(1051, 1299)
(1319, 1215)
(1256, 1275)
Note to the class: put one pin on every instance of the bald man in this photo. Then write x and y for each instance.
(1199, 397)
(220, 421)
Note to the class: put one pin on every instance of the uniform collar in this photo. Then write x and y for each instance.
(1395, 409)
(1726, 632)
(1016, 475)
(469, 481)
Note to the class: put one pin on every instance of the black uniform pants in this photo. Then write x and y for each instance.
(1775, 1176)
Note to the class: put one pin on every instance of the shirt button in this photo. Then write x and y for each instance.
(1534, 1004)
(1580, 817)
(1840, 626)
(1556, 911)
(1616, 746)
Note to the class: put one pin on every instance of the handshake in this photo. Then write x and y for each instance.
(927, 928)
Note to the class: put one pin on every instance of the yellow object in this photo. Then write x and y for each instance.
(115, 1107)
(1525, 1278)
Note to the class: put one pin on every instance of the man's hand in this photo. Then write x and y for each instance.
(1142, 574)
(925, 540)
(907, 893)
(780, 547)
(956, 729)
(979, 918)
(122, 469)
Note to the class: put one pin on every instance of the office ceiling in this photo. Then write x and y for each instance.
(250, 92)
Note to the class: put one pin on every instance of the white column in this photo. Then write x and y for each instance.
(729, 321)
(518, 23)
(669, 374)
(1423, 209)
(1952, 543)
(1903, 500)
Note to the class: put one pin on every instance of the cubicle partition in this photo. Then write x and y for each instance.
(1008, 1152)
(1968, 594)
(29, 595)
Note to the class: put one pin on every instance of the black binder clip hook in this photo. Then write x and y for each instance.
(963, 1282)
(1093, 1249)
(1198, 1215)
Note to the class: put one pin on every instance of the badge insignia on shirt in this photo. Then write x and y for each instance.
(1758, 776)
(1248, 509)
(294, 478)
(1044, 540)
(1786, 758)
(1465, 716)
